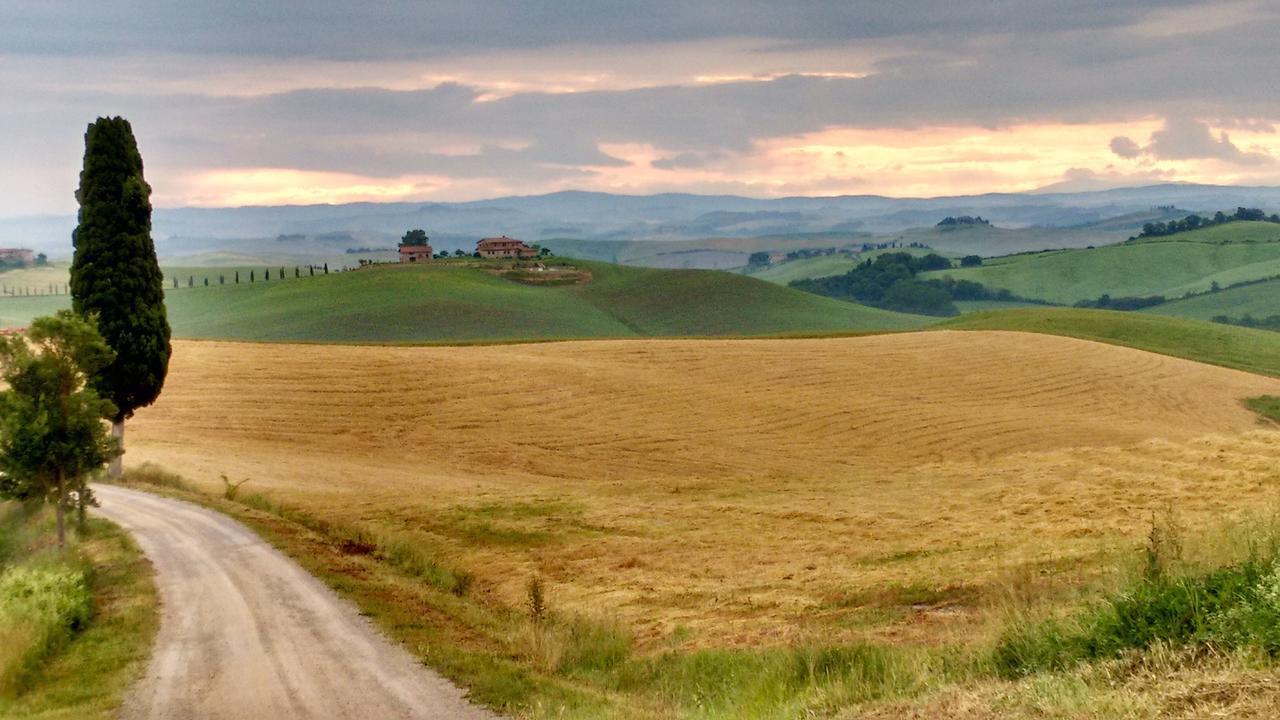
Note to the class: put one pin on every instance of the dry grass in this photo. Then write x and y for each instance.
(733, 493)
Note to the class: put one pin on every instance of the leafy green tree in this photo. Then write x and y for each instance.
(52, 433)
(758, 259)
(415, 237)
(913, 296)
(115, 276)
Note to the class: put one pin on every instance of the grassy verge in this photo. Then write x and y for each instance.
(76, 624)
(535, 661)
(1178, 615)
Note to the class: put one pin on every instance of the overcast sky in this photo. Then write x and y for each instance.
(265, 102)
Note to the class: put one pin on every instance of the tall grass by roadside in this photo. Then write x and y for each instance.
(1223, 607)
(533, 659)
(44, 596)
(1219, 597)
(75, 624)
(41, 608)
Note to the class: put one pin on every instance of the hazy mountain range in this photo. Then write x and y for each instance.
(307, 230)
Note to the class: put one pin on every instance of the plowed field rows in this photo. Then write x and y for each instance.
(751, 491)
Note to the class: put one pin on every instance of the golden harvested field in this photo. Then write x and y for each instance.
(751, 491)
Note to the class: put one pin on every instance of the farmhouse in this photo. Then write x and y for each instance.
(17, 256)
(415, 253)
(504, 247)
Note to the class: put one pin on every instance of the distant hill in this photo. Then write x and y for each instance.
(1171, 266)
(314, 230)
(1258, 300)
(445, 303)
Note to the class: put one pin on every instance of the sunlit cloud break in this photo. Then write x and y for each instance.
(457, 102)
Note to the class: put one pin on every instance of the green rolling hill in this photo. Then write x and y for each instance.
(784, 272)
(1171, 266)
(1255, 351)
(457, 303)
(1257, 299)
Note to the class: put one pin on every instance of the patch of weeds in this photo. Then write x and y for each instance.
(478, 532)
(520, 510)
(536, 600)
(230, 488)
(1235, 607)
(258, 501)
(42, 607)
(910, 595)
(154, 475)
(413, 560)
(574, 647)
(783, 682)
(87, 675)
(1268, 406)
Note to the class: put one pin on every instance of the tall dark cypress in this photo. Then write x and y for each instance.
(115, 274)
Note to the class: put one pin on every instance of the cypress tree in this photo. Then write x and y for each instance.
(115, 275)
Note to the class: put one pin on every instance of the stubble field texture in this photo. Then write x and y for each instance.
(734, 493)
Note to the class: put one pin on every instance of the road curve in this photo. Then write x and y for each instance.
(247, 633)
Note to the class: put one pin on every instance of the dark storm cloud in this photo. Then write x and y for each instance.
(342, 29)
(995, 82)
(991, 63)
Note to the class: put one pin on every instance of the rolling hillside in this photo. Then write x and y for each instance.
(1259, 300)
(450, 303)
(1169, 266)
(785, 272)
(826, 265)
(1256, 351)
(704, 505)
(617, 466)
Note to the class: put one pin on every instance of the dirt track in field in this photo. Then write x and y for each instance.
(748, 490)
(246, 633)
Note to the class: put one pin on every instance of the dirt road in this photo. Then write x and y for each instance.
(247, 633)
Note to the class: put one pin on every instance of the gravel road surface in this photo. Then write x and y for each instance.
(246, 633)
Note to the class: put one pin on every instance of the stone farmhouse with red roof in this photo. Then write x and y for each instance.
(504, 247)
(415, 253)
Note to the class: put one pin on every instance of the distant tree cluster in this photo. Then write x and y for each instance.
(889, 281)
(805, 253)
(367, 250)
(1195, 222)
(869, 247)
(1270, 322)
(949, 222)
(1106, 302)
(758, 260)
(970, 261)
